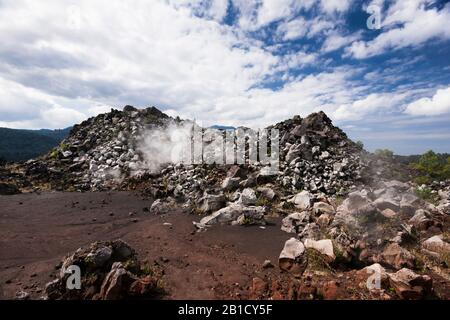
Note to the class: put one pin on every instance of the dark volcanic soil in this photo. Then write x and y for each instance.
(38, 230)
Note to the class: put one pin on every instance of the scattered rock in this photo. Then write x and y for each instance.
(248, 197)
(409, 285)
(436, 244)
(398, 257)
(291, 258)
(302, 200)
(325, 247)
(295, 222)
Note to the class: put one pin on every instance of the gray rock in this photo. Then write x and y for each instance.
(100, 256)
(295, 222)
(232, 212)
(302, 200)
(409, 203)
(267, 193)
(248, 197)
(210, 203)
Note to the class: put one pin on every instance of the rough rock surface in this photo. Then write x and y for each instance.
(108, 270)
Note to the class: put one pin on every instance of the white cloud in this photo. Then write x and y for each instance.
(332, 6)
(174, 55)
(299, 28)
(437, 105)
(372, 104)
(407, 24)
(336, 41)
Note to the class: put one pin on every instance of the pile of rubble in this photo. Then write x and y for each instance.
(104, 152)
(98, 153)
(108, 271)
(386, 228)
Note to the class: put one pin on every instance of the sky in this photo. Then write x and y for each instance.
(380, 69)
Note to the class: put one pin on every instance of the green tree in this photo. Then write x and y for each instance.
(433, 166)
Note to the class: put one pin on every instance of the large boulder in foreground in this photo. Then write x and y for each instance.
(292, 257)
(108, 271)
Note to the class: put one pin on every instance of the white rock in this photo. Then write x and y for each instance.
(293, 249)
(302, 200)
(248, 197)
(325, 247)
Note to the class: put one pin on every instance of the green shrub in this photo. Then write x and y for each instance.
(426, 194)
(432, 166)
(262, 201)
(422, 180)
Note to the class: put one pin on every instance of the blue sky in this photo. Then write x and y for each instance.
(233, 62)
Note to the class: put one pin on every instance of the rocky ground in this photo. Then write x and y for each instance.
(336, 223)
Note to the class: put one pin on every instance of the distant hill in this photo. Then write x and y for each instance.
(226, 128)
(19, 145)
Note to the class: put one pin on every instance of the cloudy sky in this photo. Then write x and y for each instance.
(233, 62)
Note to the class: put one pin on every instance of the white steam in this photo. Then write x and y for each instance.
(162, 146)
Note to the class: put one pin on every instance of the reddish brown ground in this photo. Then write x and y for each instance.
(38, 230)
(225, 262)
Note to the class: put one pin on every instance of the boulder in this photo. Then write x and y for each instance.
(232, 212)
(421, 220)
(296, 221)
(117, 283)
(397, 257)
(325, 247)
(294, 152)
(302, 200)
(160, 206)
(388, 200)
(409, 285)
(322, 207)
(409, 203)
(436, 244)
(248, 197)
(324, 220)
(389, 213)
(292, 257)
(310, 231)
(267, 193)
(210, 203)
(100, 256)
(355, 207)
